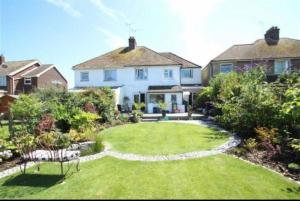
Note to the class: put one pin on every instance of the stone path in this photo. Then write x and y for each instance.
(233, 141)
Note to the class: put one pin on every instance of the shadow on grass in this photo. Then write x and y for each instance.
(33, 180)
(24, 185)
(295, 190)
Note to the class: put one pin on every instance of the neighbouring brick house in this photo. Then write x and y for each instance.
(281, 54)
(24, 76)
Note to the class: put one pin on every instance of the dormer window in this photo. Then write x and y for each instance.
(27, 81)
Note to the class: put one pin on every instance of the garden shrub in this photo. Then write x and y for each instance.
(84, 120)
(28, 109)
(46, 124)
(102, 99)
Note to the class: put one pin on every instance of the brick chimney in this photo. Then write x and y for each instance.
(132, 43)
(2, 59)
(272, 36)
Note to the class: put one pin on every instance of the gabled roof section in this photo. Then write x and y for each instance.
(185, 63)
(123, 57)
(39, 70)
(286, 48)
(13, 67)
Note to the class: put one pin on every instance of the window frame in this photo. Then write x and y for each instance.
(3, 78)
(286, 67)
(108, 80)
(26, 81)
(157, 94)
(191, 73)
(168, 72)
(223, 64)
(145, 74)
(88, 76)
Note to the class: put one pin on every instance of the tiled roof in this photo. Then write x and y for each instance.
(38, 70)
(185, 63)
(286, 48)
(12, 66)
(123, 57)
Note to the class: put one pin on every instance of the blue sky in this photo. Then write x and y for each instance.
(67, 32)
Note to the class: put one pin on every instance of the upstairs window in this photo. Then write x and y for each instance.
(141, 74)
(110, 75)
(226, 68)
(168, 74)
(3, 81)
(27, 81)
(84, 76)
(280, 66)
(187, 73)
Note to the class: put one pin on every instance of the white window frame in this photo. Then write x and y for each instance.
(191, 72)
(226, 64)
(81, 76)
(3, 81)
(110, 80)
(27, 81)
(145, 74)
(286, 67)
(168, 73)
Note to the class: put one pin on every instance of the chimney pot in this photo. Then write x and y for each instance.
(132, 43)
(2, 59)
(272, 36)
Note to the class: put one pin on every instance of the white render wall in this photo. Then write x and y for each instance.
(196, 79)
(126, 77)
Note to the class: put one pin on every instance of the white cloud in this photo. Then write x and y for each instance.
(116, 15)
(66, 6)
(192, 15)
(112, 40)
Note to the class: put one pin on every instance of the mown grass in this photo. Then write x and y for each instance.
(162, 138)
(215, 177)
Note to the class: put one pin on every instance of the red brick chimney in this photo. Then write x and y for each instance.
(132, 43)
(2, 59)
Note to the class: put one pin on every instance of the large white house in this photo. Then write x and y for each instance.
(139, 74)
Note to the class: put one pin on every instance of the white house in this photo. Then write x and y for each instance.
(139, 74)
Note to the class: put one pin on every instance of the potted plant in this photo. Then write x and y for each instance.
(163, 107)
(137, 112)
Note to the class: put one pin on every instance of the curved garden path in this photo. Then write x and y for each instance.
(233, 141)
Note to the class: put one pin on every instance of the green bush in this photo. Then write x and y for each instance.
(84, 120)
(205, 95)
(102, 99)
(28, 109)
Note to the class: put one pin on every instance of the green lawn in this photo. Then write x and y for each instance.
(215, 177)
(162, 138)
